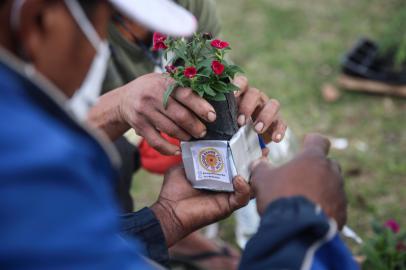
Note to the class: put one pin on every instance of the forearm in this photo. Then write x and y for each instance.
(292, 232)
(172, 227)
(106, 115)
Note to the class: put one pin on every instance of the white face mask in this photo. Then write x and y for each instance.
(88, 93)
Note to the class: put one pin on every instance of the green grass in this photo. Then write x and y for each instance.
(289, 49)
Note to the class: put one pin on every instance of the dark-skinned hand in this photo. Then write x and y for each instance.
(181, 209)
(310, 174)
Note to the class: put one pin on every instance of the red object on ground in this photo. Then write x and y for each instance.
(155, 162)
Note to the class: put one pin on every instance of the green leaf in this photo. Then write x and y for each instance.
(168, 92)
(205, 63)
(208, 90)
(218, 97)
(231, 87)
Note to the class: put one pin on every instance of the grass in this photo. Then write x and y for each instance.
(289, 49)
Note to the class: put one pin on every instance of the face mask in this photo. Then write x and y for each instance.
(88, 94)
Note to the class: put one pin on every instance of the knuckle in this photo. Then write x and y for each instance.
(138, 107)
(156, 144)
(254, 91)
(242, 81)
(184, 93)
(181, 115)
(275, 103)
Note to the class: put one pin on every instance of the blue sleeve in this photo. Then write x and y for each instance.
(295, 234)
(57, 206)
(144, 225)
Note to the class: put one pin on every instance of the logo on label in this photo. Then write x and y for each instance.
(211, 160)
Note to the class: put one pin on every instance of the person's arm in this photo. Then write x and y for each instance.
(295, 234)
(180, 210)
(292, 199)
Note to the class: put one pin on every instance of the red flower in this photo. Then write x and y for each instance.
(190, 72)
(170, 69)
(392, 225)
(159, 42)
(401, 247)
(219, 44)
(217, 67)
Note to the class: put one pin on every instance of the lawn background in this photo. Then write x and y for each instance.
(289, 49)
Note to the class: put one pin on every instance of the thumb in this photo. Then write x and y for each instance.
(316, 144)
(242, 193)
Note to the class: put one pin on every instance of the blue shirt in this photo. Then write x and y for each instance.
(57, 204)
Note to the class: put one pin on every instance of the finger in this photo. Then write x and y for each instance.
(242, 83)
(250, 101)
(266, 116)
(185, 119)
(155, 140)
(265, 152)
(195, 103)
(258, 168)
(316, 144)
(262, 161)
(242, 193)
(336, 166)
(166, 125)
(279, 132)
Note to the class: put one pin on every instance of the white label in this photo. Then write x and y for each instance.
(210, 163)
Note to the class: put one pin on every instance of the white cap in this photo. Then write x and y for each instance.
(163, 16)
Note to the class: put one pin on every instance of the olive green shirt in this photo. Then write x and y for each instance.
(129, 61)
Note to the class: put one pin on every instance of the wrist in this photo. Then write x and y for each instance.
(171, 225)
(107, 114)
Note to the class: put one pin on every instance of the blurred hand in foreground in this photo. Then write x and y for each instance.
(181, 209)
(311, 174)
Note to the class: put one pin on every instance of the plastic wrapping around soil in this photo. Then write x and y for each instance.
(225, 125)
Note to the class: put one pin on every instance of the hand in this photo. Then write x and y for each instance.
(311, 174)
(139, 104)
(264, 111)
(142, 108)
(181, 209)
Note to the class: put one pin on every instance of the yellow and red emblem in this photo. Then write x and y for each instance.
(211, 160)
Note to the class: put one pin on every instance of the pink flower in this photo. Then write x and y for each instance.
(170, 69)
(159, 42)
(190, 72)
(219, 44)
(392, 225)
(217, 67)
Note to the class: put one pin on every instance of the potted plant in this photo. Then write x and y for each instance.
(200, 64)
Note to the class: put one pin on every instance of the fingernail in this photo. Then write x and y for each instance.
(278, 137)
(238, 181)
(177, 153)
(203, 134)
(241, 120)
(259, 126)
(211, 116)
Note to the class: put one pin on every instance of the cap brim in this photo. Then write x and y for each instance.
(163, 16)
